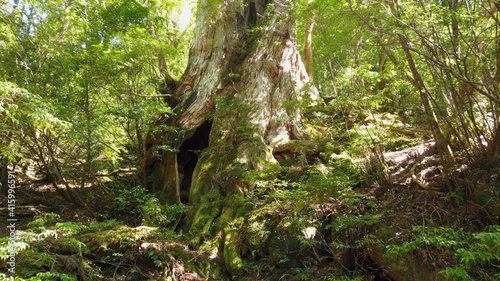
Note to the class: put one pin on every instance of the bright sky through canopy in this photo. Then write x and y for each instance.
(186, 12)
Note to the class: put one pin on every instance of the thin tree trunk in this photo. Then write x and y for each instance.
(4, 173)
(87, 166)
(308, 52)
(418, 82)
(4, 162)
(495, 142)
(66, 21)
(170, 84)
(37, 149)
(72, 195)
(494, 15)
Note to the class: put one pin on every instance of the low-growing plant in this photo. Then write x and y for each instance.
(479, 258)
(95, 226)
(470, 255)
(44, 220)
(128, 204)
(156, 214)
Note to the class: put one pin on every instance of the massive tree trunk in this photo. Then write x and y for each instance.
(243, 76)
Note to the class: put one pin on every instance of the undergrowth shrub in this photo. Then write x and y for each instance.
(44, 220)
(129, 202)
(469, 255)
(42, 276)
(292, 214)
(156, 214)
(135, 205)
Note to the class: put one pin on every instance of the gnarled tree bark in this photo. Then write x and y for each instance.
(244, 70)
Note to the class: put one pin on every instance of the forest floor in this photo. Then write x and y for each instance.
(412, 189)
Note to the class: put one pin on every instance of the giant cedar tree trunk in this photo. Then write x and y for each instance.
(244, 69)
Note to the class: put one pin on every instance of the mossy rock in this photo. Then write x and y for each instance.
(63, 246)
(114, 239)
(405, 267)
(257, 233)
(284, 244)
(30, 262)
(258, 229)
(275, 238)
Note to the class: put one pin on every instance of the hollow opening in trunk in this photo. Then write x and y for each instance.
(188, 155)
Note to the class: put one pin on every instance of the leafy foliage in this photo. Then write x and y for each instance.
(477, 255)
(82, 86)
(81, 97)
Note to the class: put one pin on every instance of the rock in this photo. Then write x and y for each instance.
(405, 267)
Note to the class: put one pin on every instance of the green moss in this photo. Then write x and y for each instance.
(204, 215)
(118, 237)
(231, 253)
(64, 246)
(30, 262)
